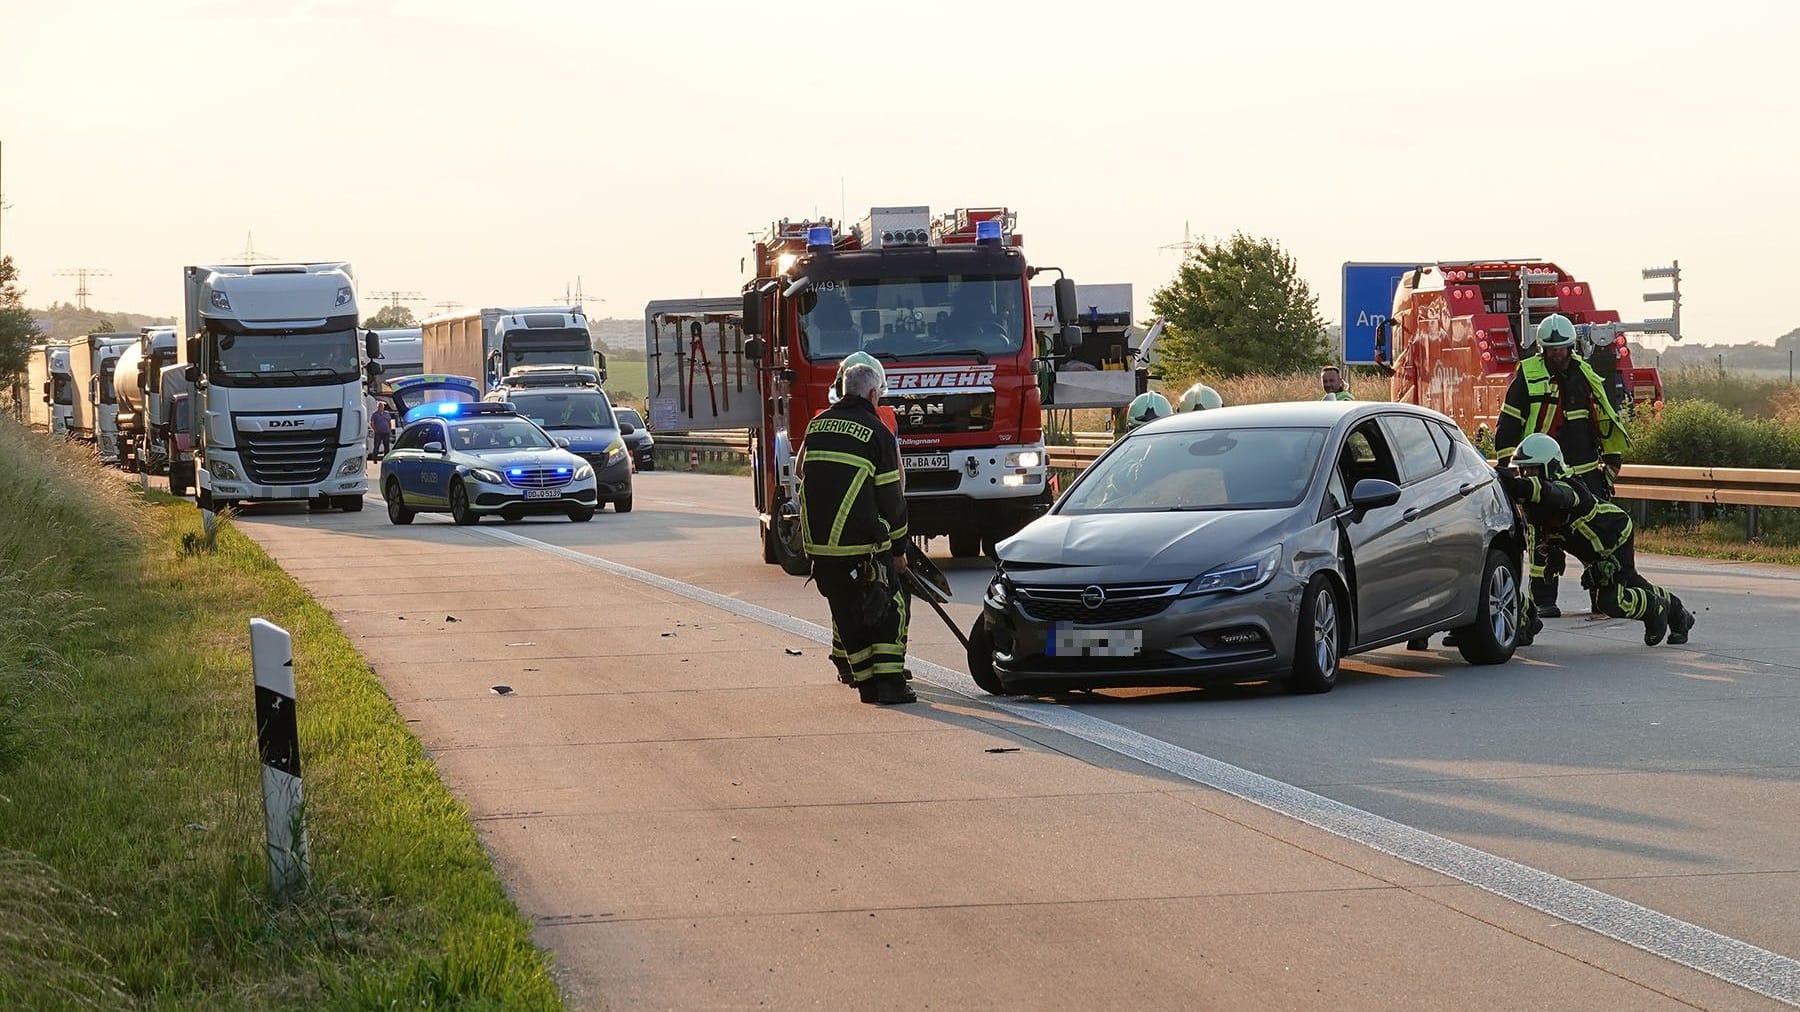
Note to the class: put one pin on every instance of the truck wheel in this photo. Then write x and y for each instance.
(965, 543)
(791, 556)
(349, 503)
(459, 506)
(768, 539)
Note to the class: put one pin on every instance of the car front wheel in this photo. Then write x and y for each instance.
(981, 659)
(459, 505)
(1319, 640)
(1494, 634)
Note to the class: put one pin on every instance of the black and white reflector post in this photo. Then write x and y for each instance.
(278, 740)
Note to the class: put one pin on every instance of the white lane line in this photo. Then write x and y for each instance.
(1737, 962)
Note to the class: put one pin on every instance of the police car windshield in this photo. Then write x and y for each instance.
(954, 315)
(1208, 469)
(587, 409)
(497, 435)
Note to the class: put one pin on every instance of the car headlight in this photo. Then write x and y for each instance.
(483, 474)
(586, 470)
(353, 466)
(615, 451)
(222, 469)
(1025, 458)
(998, 593)
(1244, 574)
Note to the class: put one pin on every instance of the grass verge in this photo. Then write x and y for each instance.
(1714, 541)
(131, 836)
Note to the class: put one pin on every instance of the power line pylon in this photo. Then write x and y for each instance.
(81, 276)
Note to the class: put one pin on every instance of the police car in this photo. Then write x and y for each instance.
(475, 458)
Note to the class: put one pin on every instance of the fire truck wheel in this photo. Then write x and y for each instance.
(965, 544)
(768, 536)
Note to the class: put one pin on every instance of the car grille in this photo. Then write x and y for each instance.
(1124, 603)
(538, 477)
(287, 458)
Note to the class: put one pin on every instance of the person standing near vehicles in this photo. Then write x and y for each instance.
(382, 424)
(1556, 393)
(1563, 511)
(1332, 379)
(853, 518)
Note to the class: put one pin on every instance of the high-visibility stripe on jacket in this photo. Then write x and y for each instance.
(851, 500)
(1587, 429)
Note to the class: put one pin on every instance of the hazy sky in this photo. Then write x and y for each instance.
(490, 153)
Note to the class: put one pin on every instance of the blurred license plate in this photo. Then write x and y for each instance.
(543, 493)
(926, 462)
(1067, 641)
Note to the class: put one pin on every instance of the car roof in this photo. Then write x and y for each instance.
(508, 393)
(1321, 414)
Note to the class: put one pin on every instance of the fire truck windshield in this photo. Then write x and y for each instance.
(913, 317)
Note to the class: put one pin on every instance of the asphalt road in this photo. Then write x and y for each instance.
(1663, 776)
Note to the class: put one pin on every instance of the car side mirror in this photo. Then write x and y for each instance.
(433, 447)
(752, 314)
(626, 428)
(562, 441)
(374, 370)
(753, 349)
(1372, 494)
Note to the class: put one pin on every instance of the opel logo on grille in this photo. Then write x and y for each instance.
(1093, 597)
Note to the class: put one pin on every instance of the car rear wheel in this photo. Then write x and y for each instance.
(981, 659)
(1494, 634)
(459, 505)
(396, 504)
(622, 505)
(1319, 640)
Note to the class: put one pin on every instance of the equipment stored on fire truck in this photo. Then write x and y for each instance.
(1457, 331)
(944, 303)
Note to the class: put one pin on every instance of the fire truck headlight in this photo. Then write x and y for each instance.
(1024, 458)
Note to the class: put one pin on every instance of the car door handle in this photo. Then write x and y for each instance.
(1466, 487)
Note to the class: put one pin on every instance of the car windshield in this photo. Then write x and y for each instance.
(953, 315)
(629, 416)
(1207, 469)
(584, 410)
(502, 435)
(278, 358)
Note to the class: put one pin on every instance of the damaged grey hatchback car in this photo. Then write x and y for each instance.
(1253, 542)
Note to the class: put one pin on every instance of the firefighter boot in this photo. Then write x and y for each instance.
(1544, 593)
(1656, 621)
(888, 690)
(1680, 621)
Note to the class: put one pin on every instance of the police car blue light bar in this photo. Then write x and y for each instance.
(460, 409)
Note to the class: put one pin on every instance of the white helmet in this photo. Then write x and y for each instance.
(1201, 397)
(1147, 408)
(857, 358)
(1540, 450)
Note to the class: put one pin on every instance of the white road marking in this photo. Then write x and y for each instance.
(1737, 962)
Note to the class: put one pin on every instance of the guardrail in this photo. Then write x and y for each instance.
(1697, 486)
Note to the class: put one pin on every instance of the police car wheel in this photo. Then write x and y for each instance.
(581, 515)
(396, 504)
(459, 505)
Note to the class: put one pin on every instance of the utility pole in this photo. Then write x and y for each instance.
(445, 307)
(81, 275)
(572, 296)
(1186, 245)
(249, 257)
(395, 298)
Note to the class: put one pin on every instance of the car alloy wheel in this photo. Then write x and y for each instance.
(1325, 631)
(1503, 605)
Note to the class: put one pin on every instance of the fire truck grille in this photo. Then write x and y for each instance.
(287, 458)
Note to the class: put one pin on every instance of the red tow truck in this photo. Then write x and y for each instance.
(1458, 330)
(944, 303)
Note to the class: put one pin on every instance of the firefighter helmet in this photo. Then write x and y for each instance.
(857, 358)
(1540, 450)
(1201, 397)
(1147, 408)
(1556, 332)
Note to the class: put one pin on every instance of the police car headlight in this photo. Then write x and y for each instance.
(483, 474)
(1024, 458)
(615, 451)
(584, 471)
(222, 469)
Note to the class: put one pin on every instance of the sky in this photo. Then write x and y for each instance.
(491, 154)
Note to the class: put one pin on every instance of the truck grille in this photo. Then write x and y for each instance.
(539, 477)
(1124, 603)
(287, 458)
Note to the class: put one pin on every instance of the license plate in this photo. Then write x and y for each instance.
(926, 462)
(1067, 641)
(543, 493)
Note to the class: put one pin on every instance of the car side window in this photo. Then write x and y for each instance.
(411, 439)
(1414, 448)
(1337, 499)
(1365, 454)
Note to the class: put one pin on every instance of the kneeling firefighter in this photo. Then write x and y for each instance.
(1564, 512)
(853, 518)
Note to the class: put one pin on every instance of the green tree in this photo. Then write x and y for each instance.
(18, 330)
(391, 318)
(1236, 308)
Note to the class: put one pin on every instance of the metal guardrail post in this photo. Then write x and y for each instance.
(1750, 523)
(278, 743)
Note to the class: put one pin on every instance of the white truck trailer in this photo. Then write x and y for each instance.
(49, 394)
(94, 417)
(487, 343)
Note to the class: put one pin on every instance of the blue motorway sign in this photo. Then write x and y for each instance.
(1368, 298)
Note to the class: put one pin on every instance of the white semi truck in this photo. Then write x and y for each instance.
(94, 417)
(402, 351)
(137, 382)
(49, 395)
(487, 343)
(278, 367)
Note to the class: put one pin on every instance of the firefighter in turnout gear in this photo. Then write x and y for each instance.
(1556, 393)
(853, 516)
(1563, 510)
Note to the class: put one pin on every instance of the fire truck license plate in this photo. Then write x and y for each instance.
(926, 462)
(543, 493)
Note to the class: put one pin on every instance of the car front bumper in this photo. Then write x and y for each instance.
(487, 498)
(1201, 640)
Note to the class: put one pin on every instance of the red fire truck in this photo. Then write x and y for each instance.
(1459, 329)
(944, 303)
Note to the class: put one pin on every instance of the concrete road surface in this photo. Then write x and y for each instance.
(695, 814)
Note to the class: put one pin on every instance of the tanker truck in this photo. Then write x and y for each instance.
(137, 381)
